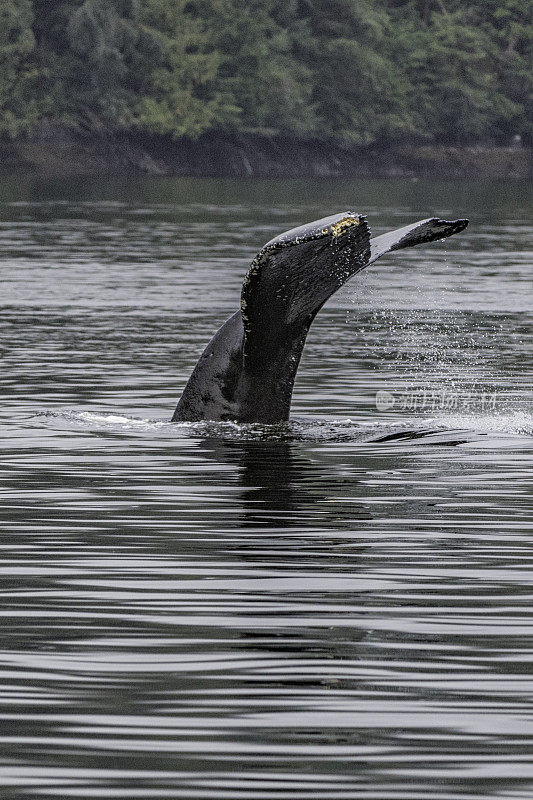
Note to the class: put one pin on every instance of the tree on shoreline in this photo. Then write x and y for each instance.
(18, 68)
(365, 72)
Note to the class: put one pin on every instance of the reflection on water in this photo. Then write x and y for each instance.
(337, 608)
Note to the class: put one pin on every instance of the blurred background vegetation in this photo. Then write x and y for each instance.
(357, 72)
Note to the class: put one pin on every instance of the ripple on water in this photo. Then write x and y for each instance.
(338, 607)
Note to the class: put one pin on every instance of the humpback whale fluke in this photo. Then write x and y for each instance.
(247, 371)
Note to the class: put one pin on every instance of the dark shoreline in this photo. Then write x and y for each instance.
(62, 153)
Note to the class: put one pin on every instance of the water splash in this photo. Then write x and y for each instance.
(519, 423)
(312, 429)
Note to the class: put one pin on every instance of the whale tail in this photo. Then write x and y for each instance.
(427, 230)
(247, 371)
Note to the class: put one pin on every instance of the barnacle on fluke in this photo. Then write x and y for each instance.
(247, 370)
(340, 226)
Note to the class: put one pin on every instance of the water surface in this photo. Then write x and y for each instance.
(335, 608)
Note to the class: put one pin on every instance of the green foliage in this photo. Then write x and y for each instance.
(106, 48)
(18, 74)
(269, 86)
(352, 71)
(468, 79)
(360, 96)
(178, 95)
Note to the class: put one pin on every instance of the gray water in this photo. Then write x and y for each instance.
(336, 608)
